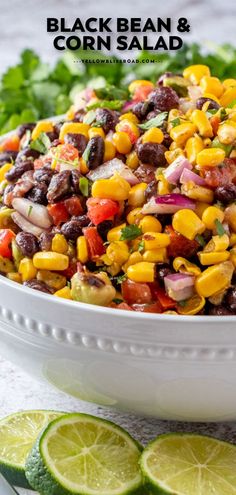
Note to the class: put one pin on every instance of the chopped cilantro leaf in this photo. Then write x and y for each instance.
(141, 246)
(130, 232)
(200, 240)
(121, 278)
(41, 144)
(86, 153)
(117, 300)
(112, 105)
(219, 228)
(175, 122)
(155, 122)
(183, 303)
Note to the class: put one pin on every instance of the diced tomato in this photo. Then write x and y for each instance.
(101, 209)
(58, 212)
(165, 301)
(215, 122)
(180, 245)
(148, 308)
(38, 163)
(11, 143)
(121, 305)
(220, 176)
(6, 236)
(66, 152)
(135, 292)
(141, 92)
(95, 242)
(71, 270)
(73, 205)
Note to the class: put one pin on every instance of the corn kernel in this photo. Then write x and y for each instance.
(83, 167)
(210, 157)
(130, 117)
(182, 265)
(192, 306)
(141, 272)
(211, 85)
(155, 240)
(228, 83)
(232, 239)
(75, 128)
(82, 249)
(137, 194)
(122, 142)
(170, 156)
(214, 279)
(134, 216)
(210, 215)
(96, 131)
(181, 133)
(128, 127)
(6, 265)
(228, 96)
(4, 169)
(48, 260)
(230, 216)
(134, 258)
(14, 277)
(187, 223)
(132, 160)
(155, 255)
(200, 208)
(198, 193)
(59, 244)
(53, 280)
(202, 123)
(118, 252)
(226, 134)
(195, 73)
(27, 269)
(150, 224)
(193, 146)
(43, 126)
(217, 243)
(115, 188)
(213, 258)
(70, 114)
(109, 151)
(139, 82)
(115, 233)
(153, 135)
(65, 293)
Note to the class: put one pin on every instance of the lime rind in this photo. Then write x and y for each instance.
(216, 482)
(43, 473)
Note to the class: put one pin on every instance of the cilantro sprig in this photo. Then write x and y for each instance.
(130, 232)
(219, 228)
(41, 144)
(155, 122)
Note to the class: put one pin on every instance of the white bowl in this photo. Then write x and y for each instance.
(171, 367)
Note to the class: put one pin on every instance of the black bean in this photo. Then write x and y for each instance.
(52, 136)
(21, 129)
(96, 152)
(152, 114)
(7, 195)
(79, 141)
(18, 170)
(164, 98)
(44, 174)
(151, 190)
(45, 241)
(59, 186)
(213, 105)
(37, 285)
(140, 110)
(162, 270)
(167, 140)
(145, 173)
(57, 127)
(7, 157)
(151, 153)
(27, 153)
(107, 118)
(103, 228)
(226, 194)
(27, 243)
(75, 181)
(220, 311)
(230, 298)
(38, 194)
(73, 228)
(79, 116)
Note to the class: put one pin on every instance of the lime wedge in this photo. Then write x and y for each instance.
(185, 464)
(81, 454)
(18, 434)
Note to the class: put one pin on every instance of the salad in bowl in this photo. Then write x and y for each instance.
(128, 203)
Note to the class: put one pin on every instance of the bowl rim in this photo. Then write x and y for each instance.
(107, 311)
(104, 310)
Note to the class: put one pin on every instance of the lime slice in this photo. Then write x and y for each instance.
(81, 454)
(185, 464)
(18, 434)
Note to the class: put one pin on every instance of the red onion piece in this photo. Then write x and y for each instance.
(173, 172)
(189, 176)
(128, 105)
(25, 225)
(168, 203)
(108, 169)
(179, 286)
(33, 212)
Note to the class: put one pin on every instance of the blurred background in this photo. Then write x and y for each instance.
(23, 24)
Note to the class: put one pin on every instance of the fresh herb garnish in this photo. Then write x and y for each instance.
(141, 245)
(110, 92)
(84, 186)
(130, 232)
(41, 144)
(200, 239)
(155, 122)
(75, 162)
(110, 104)
(183, 303)
(30, 210)
(89, 117)
(86, 153)
(117, 300)
(120, 278)
(219, 228)
(175, 122)
(223, 113)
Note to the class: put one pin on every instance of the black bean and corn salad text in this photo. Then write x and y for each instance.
(128, 204)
